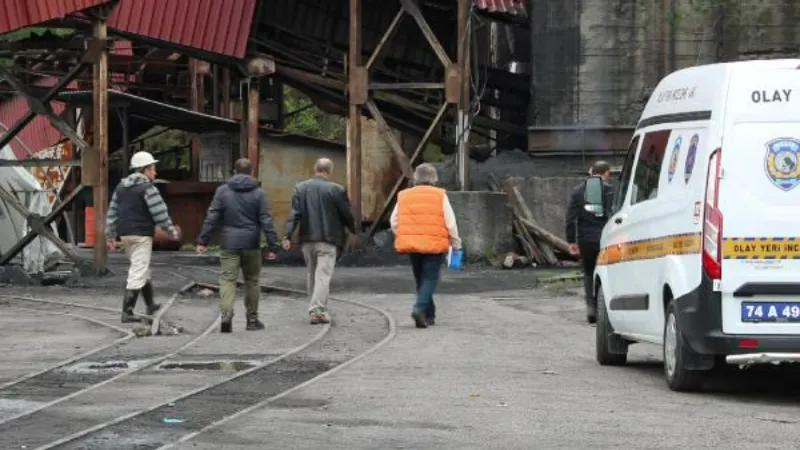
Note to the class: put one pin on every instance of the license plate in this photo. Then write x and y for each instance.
(770, 312)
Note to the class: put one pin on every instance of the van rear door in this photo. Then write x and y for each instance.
(759, 203)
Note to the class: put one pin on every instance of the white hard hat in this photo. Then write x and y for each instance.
(141, 159)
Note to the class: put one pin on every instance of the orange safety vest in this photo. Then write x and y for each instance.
(420, 221)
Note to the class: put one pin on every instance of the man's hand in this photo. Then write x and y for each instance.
(286, 244)
(200, 249)
(574, 250)
(270, 256)
(176, 233)
(111, 243)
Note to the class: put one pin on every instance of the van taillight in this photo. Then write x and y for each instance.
(712, 220)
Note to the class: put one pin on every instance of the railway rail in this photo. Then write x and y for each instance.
(210, 405)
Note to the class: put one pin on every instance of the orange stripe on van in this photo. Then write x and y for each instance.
(677, 244)
(761, 248)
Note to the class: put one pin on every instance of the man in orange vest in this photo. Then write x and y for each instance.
(425, 227)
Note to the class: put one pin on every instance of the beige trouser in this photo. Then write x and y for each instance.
(138, 250)
(320, 259)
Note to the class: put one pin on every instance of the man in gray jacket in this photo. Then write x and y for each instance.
(244, 212)
(321, 210)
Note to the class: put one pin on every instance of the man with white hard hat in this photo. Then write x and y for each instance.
(136, 209)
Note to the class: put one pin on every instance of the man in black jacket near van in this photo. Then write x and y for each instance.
(583, 233)
(321, 210)
(244, 212)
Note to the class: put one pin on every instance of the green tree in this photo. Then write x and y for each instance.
(305, 118)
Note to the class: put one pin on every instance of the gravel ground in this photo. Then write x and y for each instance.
(507, 366)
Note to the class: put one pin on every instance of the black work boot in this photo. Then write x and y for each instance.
(147, 294)
(128, 303)
(226, 324)
(591, 311)
(253, 324)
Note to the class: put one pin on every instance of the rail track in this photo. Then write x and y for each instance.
(208, 405)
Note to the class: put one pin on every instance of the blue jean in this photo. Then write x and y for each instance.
(426, 268)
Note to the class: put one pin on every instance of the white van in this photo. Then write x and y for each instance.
(701, 252)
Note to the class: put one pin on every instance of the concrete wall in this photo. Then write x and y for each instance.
(484, 223)
(598, 60)
(544, 182)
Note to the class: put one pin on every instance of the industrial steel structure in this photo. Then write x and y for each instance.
(181, 63)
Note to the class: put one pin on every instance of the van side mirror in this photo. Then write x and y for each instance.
(593, 196)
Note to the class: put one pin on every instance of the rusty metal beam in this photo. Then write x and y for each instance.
(390, 32)
(413, 10)
(414, 156)
(356, 94)
(253, 93)
(196, 101)
(30, 114)
(34, 162)
(39, 225)
(226, 93)
(100, 141)
(391, 139)
(399, 86)
(579, 139)
(464, 111)
(39, 107)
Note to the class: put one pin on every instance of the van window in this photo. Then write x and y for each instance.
(625, 176)
(648, 167)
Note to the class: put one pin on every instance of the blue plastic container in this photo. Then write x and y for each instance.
(455, 259)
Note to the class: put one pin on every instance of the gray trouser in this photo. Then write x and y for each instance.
(320, 259)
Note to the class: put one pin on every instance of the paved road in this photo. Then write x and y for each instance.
(509, 367)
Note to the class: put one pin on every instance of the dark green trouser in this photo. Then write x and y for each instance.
(249, 261)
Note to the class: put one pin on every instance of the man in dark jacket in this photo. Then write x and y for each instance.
(136, 209)
(322, 211)
(244, 212)
(583, 234)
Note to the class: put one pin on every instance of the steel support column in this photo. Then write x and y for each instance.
(356, 96)
(196, 102)
(452, 88)
(100, 141)
(253, 94)
(463, 111)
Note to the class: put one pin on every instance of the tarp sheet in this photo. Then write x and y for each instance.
(13, 226)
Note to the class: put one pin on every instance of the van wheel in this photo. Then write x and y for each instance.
(605, 338)
(678, 377)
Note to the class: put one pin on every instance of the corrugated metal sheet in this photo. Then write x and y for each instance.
(501, 6)
(22, 13)
(217, 26)
(40, 133)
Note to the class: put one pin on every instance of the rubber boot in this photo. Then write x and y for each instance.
(226, 326)
(147, 294)
(128, 303)
(591, 311)
(253, 324)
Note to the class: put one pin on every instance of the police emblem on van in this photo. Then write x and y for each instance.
(781, 163)
(691, 155)
(673, 161)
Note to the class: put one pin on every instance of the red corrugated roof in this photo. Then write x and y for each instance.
(40, 133)
(22, 13)
(217, 26)
(502, 6)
